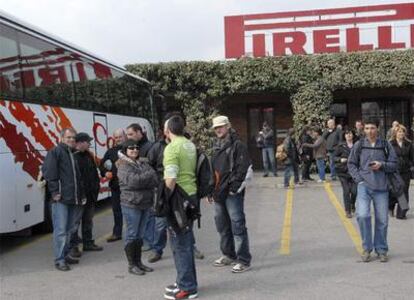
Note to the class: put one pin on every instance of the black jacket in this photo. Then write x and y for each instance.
(332, 139)
(112, 155)
(405, 155)
(156, 156)
(144, 146)
(230, 172)
(137, 181)
(89, 174)
(305, 152)
(62, 175)
(292, 153)
(342, 151)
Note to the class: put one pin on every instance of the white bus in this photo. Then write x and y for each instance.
(46, 85)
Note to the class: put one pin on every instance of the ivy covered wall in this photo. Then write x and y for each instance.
(310, 80)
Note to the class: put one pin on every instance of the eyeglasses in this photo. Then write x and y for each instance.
(70, 137)
(133, 148)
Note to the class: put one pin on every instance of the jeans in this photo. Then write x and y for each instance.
(87, 225)
(160, 235)
(117, 212)
(268, 155)
(65, 220)
(136, 220)
(149, 229)
(231, 226)
(331, 155)
(349, 192)
(320, 164)
(182, 246)
(288, 173)
(380, 200)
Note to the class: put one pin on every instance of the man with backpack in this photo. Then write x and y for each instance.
(370, 160)
(230, 162)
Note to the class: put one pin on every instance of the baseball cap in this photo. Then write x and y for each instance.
(220, 121)
(83, 137)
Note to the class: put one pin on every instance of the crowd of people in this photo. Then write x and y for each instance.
(155, 193)
(156, 188)
(371, 170)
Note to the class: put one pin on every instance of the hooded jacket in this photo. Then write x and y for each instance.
(137, 180)
(230, 162)
(89, 174)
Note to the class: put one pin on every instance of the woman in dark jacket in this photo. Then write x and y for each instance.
(137, 181)
(341, 159)
(405, 153)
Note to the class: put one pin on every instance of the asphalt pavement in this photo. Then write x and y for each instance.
(302, 245)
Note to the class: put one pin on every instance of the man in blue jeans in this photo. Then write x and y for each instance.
(180, 162)
(369, 162)
(62, 175)
(230, 162)
(333, 137)
(266, 141)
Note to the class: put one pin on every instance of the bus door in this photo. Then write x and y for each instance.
(100, 146)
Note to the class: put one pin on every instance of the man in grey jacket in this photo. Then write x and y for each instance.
(369, 162)
(62, 175)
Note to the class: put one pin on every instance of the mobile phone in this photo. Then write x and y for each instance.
(371, 164)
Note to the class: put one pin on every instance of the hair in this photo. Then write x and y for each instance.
(359, 121)
(372, 121)
(291, 132)
(317, 130)
(128, 143)
(135, 127)
(346, 131)
(395, 131)
(63, 131)
(169, 115)
(176, 125)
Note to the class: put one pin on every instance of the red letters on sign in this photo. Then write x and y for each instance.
(296, 45)
(385, 39)
(322, 40)
(353, 42)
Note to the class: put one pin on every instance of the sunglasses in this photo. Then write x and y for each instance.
(133, 148)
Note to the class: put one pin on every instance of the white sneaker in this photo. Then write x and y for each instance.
(320, 181)
(240, 268)
(223, 261)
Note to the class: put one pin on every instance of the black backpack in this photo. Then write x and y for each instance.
(205, 176)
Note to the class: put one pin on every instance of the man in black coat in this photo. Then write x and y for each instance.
(91, 184)
(230, 162)
(109, 170)
(62, 175)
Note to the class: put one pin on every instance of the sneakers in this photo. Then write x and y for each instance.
(383, 257)
(240, 268)
(223, 261)
(154, 257)
(320, 181)
(179, 294)
(366, 256)
(71, 260)
(172, 288)
(349, 215)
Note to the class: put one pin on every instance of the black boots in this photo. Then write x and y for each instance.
(131, 254)
(139, 261)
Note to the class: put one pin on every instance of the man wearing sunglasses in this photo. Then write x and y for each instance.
(62, 175)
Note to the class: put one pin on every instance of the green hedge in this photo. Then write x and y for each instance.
(310, 80)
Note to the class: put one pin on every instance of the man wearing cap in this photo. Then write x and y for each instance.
(230, 162)
(90, 182)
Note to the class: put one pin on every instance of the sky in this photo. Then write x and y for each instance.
(150, 31)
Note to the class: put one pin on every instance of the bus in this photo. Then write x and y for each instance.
(46, 85)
